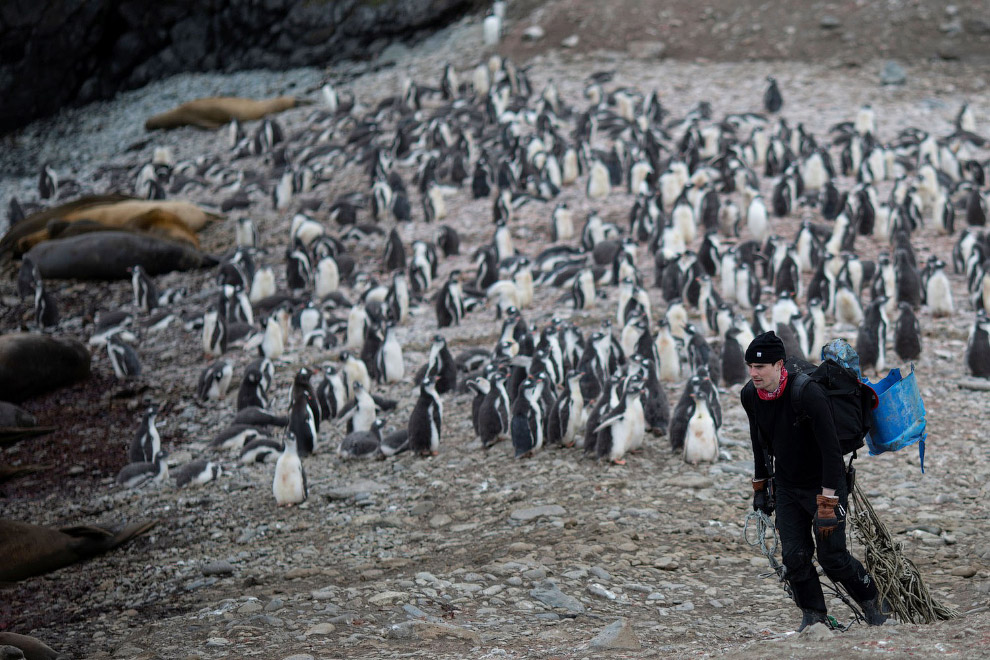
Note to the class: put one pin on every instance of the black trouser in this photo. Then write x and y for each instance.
(796, 508)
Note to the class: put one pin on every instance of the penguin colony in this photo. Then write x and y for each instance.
(587, 335)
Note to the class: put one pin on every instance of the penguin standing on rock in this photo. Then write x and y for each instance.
(978, 347)
(426, 420)
(527, 418)
(772, 100)
(289, 484)
(907, 334)
(146, 442)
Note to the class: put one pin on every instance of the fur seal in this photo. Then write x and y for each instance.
(32, 364)
(31, 550)
(106, 255)
(215, 111)
(31, 647)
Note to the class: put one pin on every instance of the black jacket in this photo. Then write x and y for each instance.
(806, 455)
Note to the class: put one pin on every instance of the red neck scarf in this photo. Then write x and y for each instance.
(770, 396)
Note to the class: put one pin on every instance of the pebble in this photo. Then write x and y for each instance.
(964, 571)
(550, 595)
(299, 656)
(596, 589)
(893, 74)
(534, 33)
(829, 22)
(570, 42)
(250, 607)
(667, 563)
(387, 597)
(320, 629)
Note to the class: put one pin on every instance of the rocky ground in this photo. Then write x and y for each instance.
(471, 553)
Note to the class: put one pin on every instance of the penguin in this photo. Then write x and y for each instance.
(146, 442)
(526, 422)
(289, 484)
(938, 291)
(331, 393)
(701, 439)
(847, 307)
(260, 450)
(355, 371)
(871, 338)
(978, 347)
(450, 302)
(362, 444)
(273, 342)
(47, 182)
(388, 358)
(561, 224)
(145, 291)
(327, 277)
(214, 333)
(140, 474)
(298, 270)
(734, 369)
(246, 234)
(622, 428)
(494, 412)
(907, 279)
(301, 385)
(599, 185)
(214, 381)
(683, 412)
(395, 254)
(303, 424)
(262, 284)
(251, 392)
(45, 309)
(907, 334)
(27, 278)
(448, 240)
(196, 473)
(426, 420)
(259, 417)
(565, 416)
(441, 366)
(670, 359)
(772, 99)
(123, 358)
(361, 411)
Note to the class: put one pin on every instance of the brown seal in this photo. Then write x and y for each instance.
(106, 255)
(216, 111)
(173, 219)
(33, 363)
(31, 647)
(30, 550)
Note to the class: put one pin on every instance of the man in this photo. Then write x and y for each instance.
(799, 471)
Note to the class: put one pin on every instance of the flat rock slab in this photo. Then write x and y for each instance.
(549, 594)
(347, 491)
(426, 630)
(618, 635)
(525, 515)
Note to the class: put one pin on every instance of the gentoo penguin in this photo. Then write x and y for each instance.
(938, 291)
(214, 333)
(259, 417)
(494, 412)
(146, 442)
(246, 234)
(734, 369)
(683, 412)
(262, 284)
(599, 185)
(907, 334)
(260, 450)
(908, 280)
(450, 302)
(561, 224)
(527, 418)
(235, 436)
(123, 358)
(362, 444)
(772, 99)
(847, 307)
(426, 420)
(214, 381)
(136, 475)
(354, 371)
(361, 411)
(397, 299)
(289, 484)
(978, 346)
(251, 391)
(448, 240)
(394, 257)
(623, 427)
(197, 473)
(145, 291)
(27, 278)
(440, 365)
(389, 357)
(273, 341)
(670, 359)
(566, 414)
(45, 309)
(871, 338)
(701, 439)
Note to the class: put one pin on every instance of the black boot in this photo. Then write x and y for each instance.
(811, 617)
(874, 611)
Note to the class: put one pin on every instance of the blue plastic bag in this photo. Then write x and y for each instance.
(899, 418)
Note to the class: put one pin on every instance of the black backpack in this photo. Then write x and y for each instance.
(849, 399)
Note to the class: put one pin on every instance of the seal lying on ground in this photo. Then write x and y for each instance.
(31, 647)
(216, 111)
(32, 364)
(175, 219)
(30, 550)
(106, 255)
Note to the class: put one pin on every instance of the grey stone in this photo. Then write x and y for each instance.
(427, 630)
(829, 22)
(550, 595)
(893, 74)
(220, 567)
(617, 635)
(600, 573)
(525, 515)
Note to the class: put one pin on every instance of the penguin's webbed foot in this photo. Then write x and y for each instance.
(619, 461)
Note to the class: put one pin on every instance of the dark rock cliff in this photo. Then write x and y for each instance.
(59, 52)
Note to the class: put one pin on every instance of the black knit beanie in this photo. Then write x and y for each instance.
(765, 349)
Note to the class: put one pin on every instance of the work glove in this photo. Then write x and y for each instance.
(762, 497)
(828, 516)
